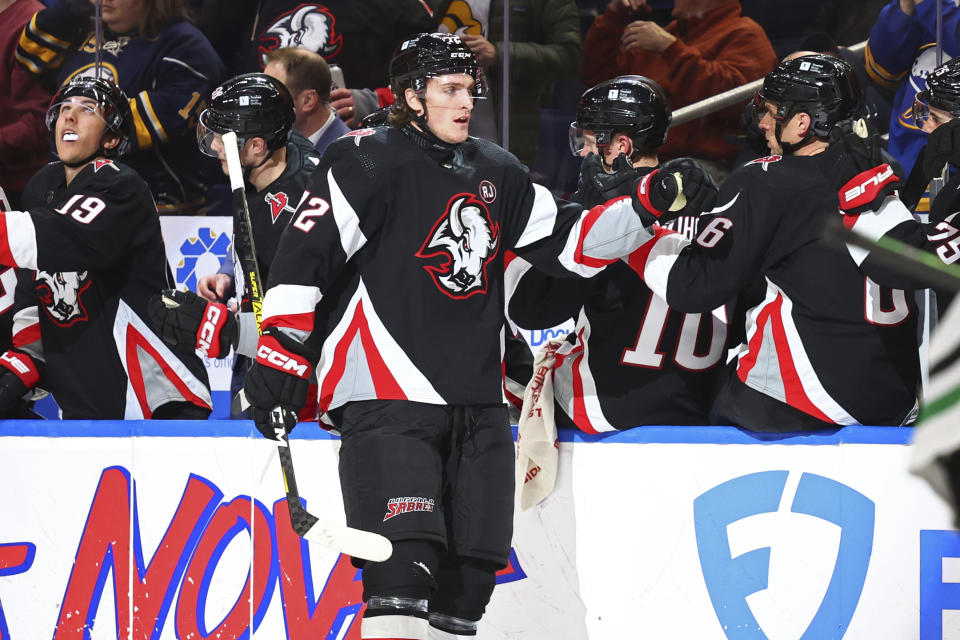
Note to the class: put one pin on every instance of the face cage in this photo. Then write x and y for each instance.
(206, 135)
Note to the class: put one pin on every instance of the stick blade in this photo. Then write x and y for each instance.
(352, 542)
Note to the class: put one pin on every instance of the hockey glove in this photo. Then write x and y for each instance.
(18, 374)
(278, 379)
(184, 319)
(943, 146)
(597, 186)
(860, 171)
(676, 187)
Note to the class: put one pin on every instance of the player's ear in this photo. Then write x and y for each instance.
(110, 141)
(804, 122)
(258, 146)
(413, 100)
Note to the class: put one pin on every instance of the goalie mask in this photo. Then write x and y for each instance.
(112, 106)
(253, 105)
(942, 92)
(633, 105)
(824, 87)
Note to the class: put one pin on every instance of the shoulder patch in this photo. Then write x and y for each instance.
(765, 161)
(358, 134)
(99, 164)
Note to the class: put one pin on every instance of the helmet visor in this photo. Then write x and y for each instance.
(209, 139)
(921, 108)
(87, 104)
(583, 139)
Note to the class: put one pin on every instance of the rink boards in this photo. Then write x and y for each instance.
(654, 533)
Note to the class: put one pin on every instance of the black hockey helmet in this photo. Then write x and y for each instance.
(252, 105)
(112, 104)
(634, 105)
(427, 55)
(942, 92)
(822, 86)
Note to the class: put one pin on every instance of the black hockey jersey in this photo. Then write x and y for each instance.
(98, 256)
(272, 208)
(167, 78)
(412, 240)
(631, 360)
(826, 340)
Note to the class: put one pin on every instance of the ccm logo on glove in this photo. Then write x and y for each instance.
(867, 185)
(272, 354)
(210, 330)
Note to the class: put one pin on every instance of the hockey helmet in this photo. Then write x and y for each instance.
(112, 105)
(635, 105)
(942, 92)
(822, 86)
(252, 105)
(427, 55)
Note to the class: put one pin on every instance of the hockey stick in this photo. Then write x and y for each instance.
(897, 255)
(347, 540)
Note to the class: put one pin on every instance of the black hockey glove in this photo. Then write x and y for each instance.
(184, 319)
(18, 374)
(862, 174)
(943, 146)
(278, 378)
(677, 187)
(597, 186)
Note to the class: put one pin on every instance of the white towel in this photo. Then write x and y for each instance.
(537, 446)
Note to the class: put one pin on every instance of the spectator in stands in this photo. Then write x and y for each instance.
(159, 59)
(708, 49)
(358, 36)
(23, 102)
(307, 78)
(900, 54)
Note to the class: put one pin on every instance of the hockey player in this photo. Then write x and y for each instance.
(277, 165)
(158, 59)
(827, 346)
(410, 223)
(91, 235)
(937, 112)
(630, 360)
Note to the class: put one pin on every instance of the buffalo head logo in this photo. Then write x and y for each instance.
(309, 26)
(60, 294)
(468, 241)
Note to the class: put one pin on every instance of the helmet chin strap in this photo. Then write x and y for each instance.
(421, 120)
(99, 152)
(789, 148)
